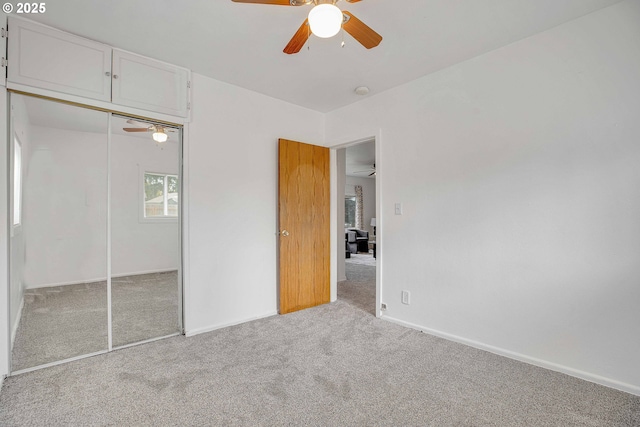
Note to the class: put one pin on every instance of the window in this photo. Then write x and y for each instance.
(160, 195)
(17, 182)
(349, 211)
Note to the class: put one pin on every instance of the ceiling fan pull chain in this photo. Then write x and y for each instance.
(342, 28)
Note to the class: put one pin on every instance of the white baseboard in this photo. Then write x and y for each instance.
(199, 331)
(100, 279)
(14, 327)
(587, 376)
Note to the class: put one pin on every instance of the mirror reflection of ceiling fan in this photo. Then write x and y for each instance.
(159, 132)
(325, 20)
(371, 170)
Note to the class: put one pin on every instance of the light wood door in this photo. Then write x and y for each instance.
(303, 214)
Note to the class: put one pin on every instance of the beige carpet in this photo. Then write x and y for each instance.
(61, 322)
(361, 259)
(333, 365)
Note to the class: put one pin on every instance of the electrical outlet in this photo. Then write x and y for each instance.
(383, 306)
(398, 208)
(406, 297)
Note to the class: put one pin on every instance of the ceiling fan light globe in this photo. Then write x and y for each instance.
(160, 137)
(325, 20)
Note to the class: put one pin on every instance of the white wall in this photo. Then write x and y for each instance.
(139, 246)
(65, 208)
(231, 161)
(368, 198)
(21, 129)
(65, 214)
(518, 171)
(341, 164)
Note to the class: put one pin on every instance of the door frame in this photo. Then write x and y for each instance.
(337, 242)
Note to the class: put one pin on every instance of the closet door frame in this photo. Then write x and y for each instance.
(181, 209)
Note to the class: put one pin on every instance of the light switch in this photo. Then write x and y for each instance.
(398, 208)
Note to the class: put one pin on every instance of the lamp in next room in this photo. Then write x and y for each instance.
(373, 224)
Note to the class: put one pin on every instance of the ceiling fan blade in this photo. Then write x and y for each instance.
(136, 129)
(360, 31)
(299, 39)
(276, 2)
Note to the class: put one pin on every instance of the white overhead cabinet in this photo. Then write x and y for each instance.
(3, 50)
(43, 57)
(149, 84)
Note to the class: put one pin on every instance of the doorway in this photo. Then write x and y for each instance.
(357, 207)
(95, 246)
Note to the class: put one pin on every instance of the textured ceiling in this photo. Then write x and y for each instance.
(242, 44)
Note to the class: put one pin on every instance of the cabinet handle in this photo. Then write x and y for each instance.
(115, 76)
(107, 74)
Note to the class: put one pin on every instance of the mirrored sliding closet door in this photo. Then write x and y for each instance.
(145, 239)
(95, 255)
(58, 253)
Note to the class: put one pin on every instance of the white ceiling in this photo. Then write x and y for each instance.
(57, 115)
(360, 159)
(242, 44)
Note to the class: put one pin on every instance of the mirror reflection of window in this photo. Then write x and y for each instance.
(350, 211)
(160, 195)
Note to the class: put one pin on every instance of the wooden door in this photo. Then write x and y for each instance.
(304, 218)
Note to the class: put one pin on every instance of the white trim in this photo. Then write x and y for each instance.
(375, 135)
(14, 328)
(587, 376)
(58, 362)
(184, 204)
(333, 225)
(102, 279)
(108, 231)
(118, 109)
(199, 331)
(133, 344)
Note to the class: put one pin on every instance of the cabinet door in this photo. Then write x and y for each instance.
(50, 59)
(149, 84)
(3, 50)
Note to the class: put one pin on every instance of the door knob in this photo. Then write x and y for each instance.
(285, 233)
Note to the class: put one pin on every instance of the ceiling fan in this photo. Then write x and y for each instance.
(325, 20)
(159, 132)
(372, 170)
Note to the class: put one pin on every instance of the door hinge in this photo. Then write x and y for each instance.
(189, 84)
(5, 33)
(4, 63)
(188, 106)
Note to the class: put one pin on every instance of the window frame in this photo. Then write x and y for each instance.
(346, 197)
(157, 219)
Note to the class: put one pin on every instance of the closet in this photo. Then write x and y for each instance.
(95, 245)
